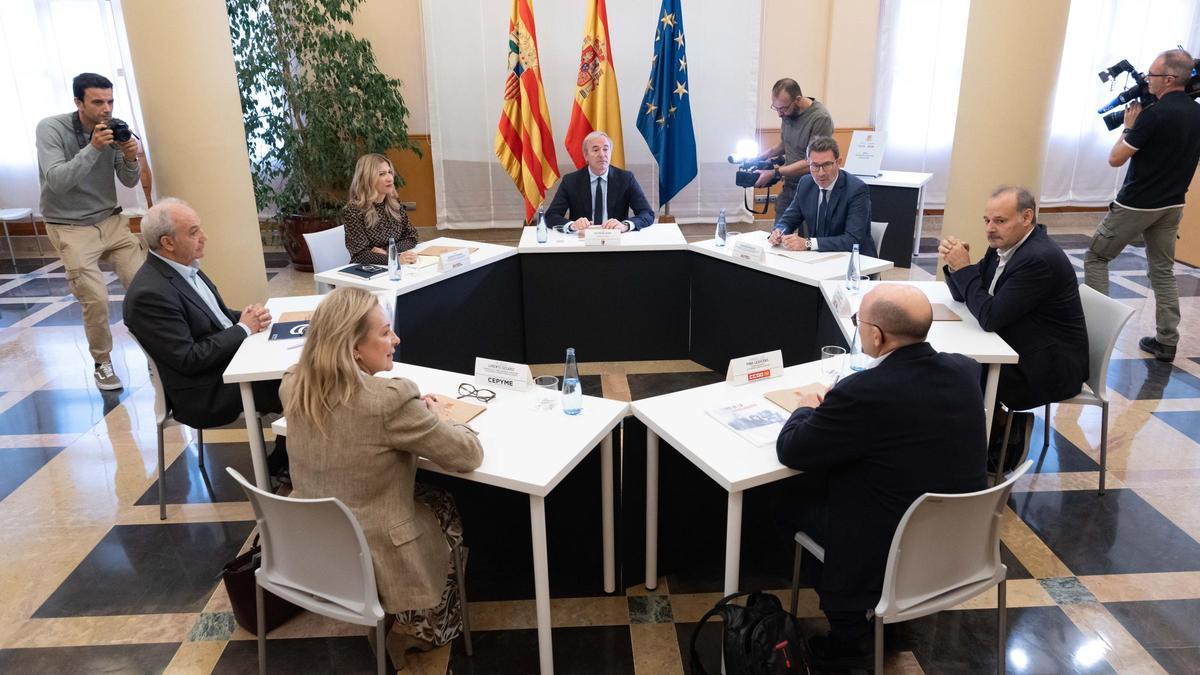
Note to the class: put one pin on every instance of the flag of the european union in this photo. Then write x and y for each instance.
(665, 118)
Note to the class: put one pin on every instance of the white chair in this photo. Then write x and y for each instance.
(314, 554)
(1105, 318)
(946, 550)
(16, 215)
(877, 232)
(328, 249)
(162, 420)
(304, 542)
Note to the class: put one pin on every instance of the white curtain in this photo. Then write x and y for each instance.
(918, 70)
(466, 43)
(920, 65)
(1099, 34)
(43, 45)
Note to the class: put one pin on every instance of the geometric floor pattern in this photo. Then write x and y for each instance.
(92, 581)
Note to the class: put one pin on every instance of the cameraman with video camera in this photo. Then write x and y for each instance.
(1162, 145)
(803, 118)
(78, 155)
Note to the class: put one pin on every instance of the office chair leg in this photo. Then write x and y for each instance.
(1001, 624)
(260, 611)
(878, 645)
(200, 446)
(162, 482)
(1003, 449)
(1103, 443)
(381, 646)
(460, 563)
(796, 578)
(1046, 429)
(12, 253)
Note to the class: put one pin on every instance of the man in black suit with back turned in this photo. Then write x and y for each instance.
(178, 316)
(911, 423)
(599, 195)
(1024, 290)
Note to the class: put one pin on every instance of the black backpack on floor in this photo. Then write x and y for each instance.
(759, 639)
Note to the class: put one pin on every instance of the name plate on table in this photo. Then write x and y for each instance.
(841, 304)
(749, 252)
(452, 260)
(747, 369)
(492, 373)
(598, 236)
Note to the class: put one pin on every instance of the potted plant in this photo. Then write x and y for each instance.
(313, 101)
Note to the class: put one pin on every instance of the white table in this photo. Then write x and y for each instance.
(413, 278)
(657, 237)
(732, 462)
(525, 449)
(780, 265)
(964, 337)
(889, 208)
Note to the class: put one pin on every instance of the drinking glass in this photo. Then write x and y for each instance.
(832, 362)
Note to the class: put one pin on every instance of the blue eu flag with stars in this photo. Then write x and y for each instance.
(665, 118)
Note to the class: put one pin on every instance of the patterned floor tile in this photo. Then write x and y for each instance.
(1186, 422)
(598, 650)
(1111, 534)
(186, 483)
(144, 658)
(342, 655)
(148, 569)
(18, 464)
(59, 411)
(1189, 285)
(657, 384)
(1146, 379)
(11, 313)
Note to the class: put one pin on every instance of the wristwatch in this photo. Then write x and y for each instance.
(778, 176)
(808, 243)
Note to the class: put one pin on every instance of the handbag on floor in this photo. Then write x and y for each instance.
(758, 639)
(238, 575)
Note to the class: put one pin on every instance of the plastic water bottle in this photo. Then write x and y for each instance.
(572, 392)
(853, 270)
(542, 231)
(858, 360)
(722, 231)
(393, 261)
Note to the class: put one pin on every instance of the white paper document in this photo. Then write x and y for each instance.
(754, 422)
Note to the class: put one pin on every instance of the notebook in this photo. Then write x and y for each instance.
(365, 271)
(460, 412)
(438, 250)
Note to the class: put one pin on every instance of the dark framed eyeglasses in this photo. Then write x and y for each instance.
(466, 390)
(854, 321)
(821, 166)
(1159, 75)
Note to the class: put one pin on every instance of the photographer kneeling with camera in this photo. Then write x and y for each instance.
(78, 154)
(1162, 145)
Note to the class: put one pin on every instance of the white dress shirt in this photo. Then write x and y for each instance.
(1004, 255)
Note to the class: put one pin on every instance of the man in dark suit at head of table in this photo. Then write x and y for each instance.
(599, 195)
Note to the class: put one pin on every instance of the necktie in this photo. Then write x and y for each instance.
(598, 205)
(822, 203)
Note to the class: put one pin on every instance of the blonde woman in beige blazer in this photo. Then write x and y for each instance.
(357, 437)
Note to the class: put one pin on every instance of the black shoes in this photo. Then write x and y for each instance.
(1018, 437)
(1161, 352)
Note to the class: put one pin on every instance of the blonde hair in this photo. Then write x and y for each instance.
(327, 376)
(362, 189)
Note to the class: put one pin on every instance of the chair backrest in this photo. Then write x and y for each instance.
(945, 542)
(328, 248)
(877, 232)
(1105, 318)
(316, 547)
(161, 406)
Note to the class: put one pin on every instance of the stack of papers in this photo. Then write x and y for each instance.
(755, 423)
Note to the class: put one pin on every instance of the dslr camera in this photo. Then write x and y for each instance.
(1114, 111)
(121, 130)
(747, 173)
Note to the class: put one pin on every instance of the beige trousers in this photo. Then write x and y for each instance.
(81, 247)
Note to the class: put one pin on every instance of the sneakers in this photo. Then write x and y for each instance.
(106, 379)
(1160, 351)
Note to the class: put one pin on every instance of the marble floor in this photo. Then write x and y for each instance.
(92, 581)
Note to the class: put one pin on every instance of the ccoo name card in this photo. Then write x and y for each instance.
(747, 369)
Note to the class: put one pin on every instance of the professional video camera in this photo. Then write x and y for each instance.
(747, 173)
(1140, 91)
(746, 157)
